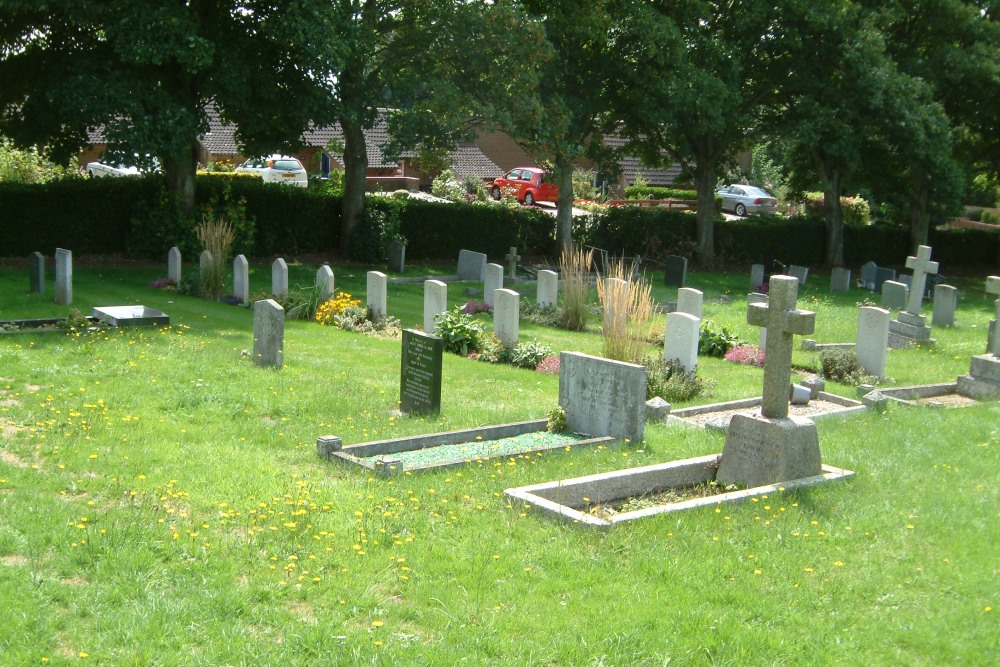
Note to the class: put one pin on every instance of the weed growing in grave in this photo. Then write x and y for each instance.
(668, 380)
(363, 320)
(714, 342)
(546, 316)
(459, 330)
(557, 419)
(747, 355)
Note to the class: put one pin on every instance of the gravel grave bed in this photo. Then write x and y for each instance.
(812, 408)
(948, 401)
(483, 449)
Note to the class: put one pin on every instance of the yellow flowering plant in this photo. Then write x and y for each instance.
(330, 308)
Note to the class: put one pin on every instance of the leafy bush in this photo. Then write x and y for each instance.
(547, 316)
(714, 342)
(529, 355)
(460, 331)
(842, 366)
(557, 419)
(668, 380)
(379, 225)
(854, 210)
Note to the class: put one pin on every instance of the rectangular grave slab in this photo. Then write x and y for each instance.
(602, 397)
(241, 279)
(174, 265)
(506, 316)
(680, 340)
(873, 339)
(396, 260)
(945, 305)
(471, 265)
(756, 277)
(493, 281)
(375, 294)
(268, 333)
(675, 272)
(131, 316)
(761, 450)
(435, 302)
(325, 281)
(894, 295)
(690, 301)
(279, 278)
(420, 373)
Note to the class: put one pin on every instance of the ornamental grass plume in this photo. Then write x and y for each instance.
(574, 269)
(216, 236)
(627, 306)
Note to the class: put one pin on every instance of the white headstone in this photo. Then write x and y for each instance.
(324, 281)
(268, 333)
(922, 266)
(64, 277)
(506, 316)
(840, 279)
(945, 305)
(602, 397)
(241, 279)
(174, 265)
(893, 295)
(615, 304)
(492, 280)
(548, 288)
(681, 340)
(873, 339)
(435, 302)
(279, 278)
(757, 297)
(756, 277)
(690, 301)
(376, 293)
(471, 265)
(800, 273)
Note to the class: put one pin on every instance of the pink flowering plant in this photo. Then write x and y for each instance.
(747, 355)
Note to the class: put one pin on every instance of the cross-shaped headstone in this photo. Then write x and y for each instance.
(512, 259)
(921, 265)
(993, 287)
(782, 320)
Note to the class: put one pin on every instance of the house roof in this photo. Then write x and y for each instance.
(631, 166)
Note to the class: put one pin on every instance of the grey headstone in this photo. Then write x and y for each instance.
(420, 373)
(675, 272)
(471, 265)
(756, 277)
(800, 273)
(268, 333)
(435, 302)
(945, 305)
(506, 316)
(64, 277)
(657, 409)
(760, 451)
(36, 273)
(174, 265)
(894, 295)
(376, 293)
(840, 279)
(279, 278)
(205, 261)
(922, 267)
(882, 275)
(690, 301)
(548, 288)
(396, 256)
(993, 341)
(602, 397)
(868, 273)
(492, 281)
(681, 340)
(873, 339)
(325, 282)
(241, 279)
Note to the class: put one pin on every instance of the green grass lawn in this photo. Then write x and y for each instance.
(162, 503)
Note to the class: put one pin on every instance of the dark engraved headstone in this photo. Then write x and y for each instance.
(676, 271)
(36, 272)
(420, 373)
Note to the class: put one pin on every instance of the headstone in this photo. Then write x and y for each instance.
(868, 271)
(756, 277)
(602, 397)
(420, 373)
(548, 288)
(279, 278)
(873, 339)
(396, 255)
(773, 447)
(268, 333)
(471, 265)
(36, 273)
(512, 259)
(882, 275)
(64, 277)
(204, 265)
(325, 282)
(681, 340)
(993, 340)
(506, 314)
(675, 272)
(376, 294)
(840, 279)
(945, 305)
(492, 281)
(241, 279)
(906, 280)
(894, 295)
(174, 265)
(757, 297)
(690, 301)
(922, 266)
(435, 302)
(800, 273)
(615, 304)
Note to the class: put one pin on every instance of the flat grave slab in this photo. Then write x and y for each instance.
(37, 325)
(717, 415)
(388, 458)
(131, 316)
(586, 500)
(944, 394)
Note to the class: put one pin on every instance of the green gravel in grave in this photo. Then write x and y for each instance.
(483, 449)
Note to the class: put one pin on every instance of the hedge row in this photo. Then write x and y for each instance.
(653, 192)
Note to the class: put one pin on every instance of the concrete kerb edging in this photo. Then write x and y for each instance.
(850, 407)
(909, 395)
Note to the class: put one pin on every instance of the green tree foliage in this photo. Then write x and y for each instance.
(28, 165)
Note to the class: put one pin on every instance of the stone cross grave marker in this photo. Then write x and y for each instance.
(548, 288)
(872, 343)
(376, 293)
(241, 279)
(602, 397)
(945, 305)
(471, 265)
(506, 315)
(492, 281)
(64, 277)
(435, 302)
(782, 321)
(675, 271)
(268, 333)
(174, 265)
(36, 273)
(279, 278)
(325, 282)
(922, 266)
(512, 259)
(420, 373)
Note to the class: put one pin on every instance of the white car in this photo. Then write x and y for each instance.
(99, 170)
(276, 169)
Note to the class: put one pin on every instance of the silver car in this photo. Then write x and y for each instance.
(745, 199)
(277, 169)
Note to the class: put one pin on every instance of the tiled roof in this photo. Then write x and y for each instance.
(468, 160)
(631, 167)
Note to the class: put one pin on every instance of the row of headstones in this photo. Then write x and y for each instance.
(64, 275)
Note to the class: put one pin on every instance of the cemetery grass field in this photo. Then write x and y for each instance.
(162, 503)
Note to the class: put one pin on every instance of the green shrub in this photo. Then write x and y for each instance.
(843, 366)
(668, 380)
(854, 210)
(529, 355)
(461, 332)
(557, 419)
(363, 320)
(651, 192)
(714, 342)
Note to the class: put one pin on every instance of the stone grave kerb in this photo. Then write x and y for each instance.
(922, 266)
(782, 320)
(512, 259)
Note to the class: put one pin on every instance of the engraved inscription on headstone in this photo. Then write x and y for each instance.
(420, 373)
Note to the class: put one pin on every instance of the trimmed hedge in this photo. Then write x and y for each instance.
(631, 231)
(650, 192)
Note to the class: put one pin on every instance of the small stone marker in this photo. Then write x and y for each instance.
(800, 273)
(681, 340)
(922, 266)
(205, 260)
(471, 265)
(882, 275)
(868, 273)
(376, 293)
(279, 278)
(268, 333)
(64, 277)
(506, 314)
(675, 272)
(420, 373)
(325, 282)
(241, 279)
(756, 277)
(945, 305)
(396, 252)
(435, 302)
(548, 288)
(512, 259)
(493, 281)
(174, 265)
(690, 301)
(657, 409)
(602, 397)
(36, 273)
(840, 279)
(894, 295)
(873, 339)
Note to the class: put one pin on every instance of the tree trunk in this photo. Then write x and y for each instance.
(704, 183)
(179, 171)
(564, 205)
(920, 193)
(355, 171)
(832, 178)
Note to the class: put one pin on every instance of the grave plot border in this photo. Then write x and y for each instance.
(850, 407)
(622, 484)
(911, 395)
(330, 447)
(43, 325)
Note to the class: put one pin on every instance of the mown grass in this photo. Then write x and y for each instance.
(161, 503)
